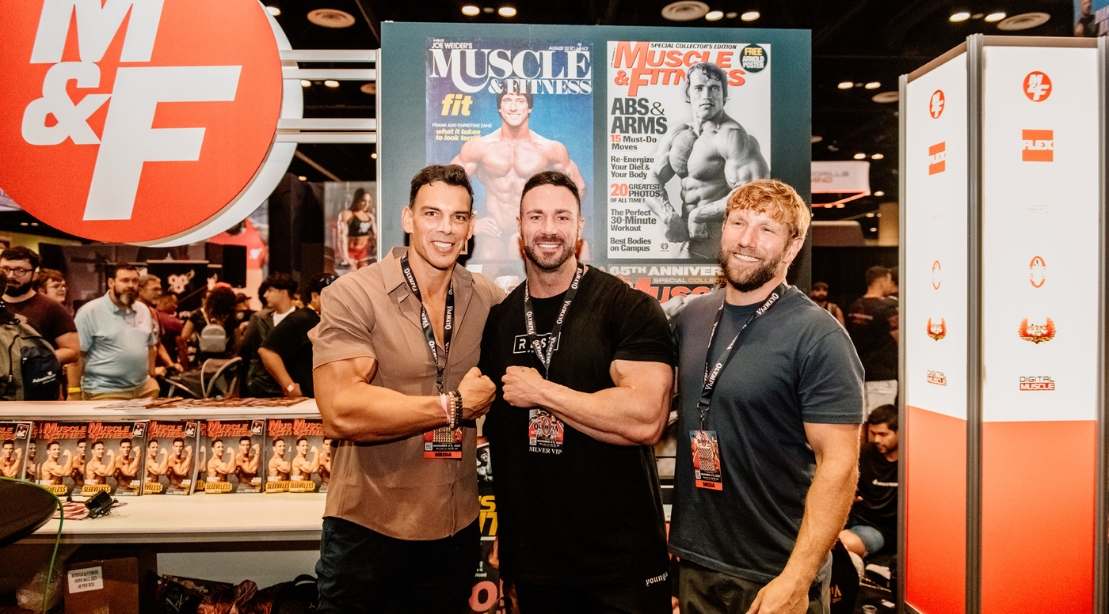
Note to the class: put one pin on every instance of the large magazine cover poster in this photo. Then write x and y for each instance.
(506, 109)
(687, 123)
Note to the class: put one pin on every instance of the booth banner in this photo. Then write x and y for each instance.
(351, 230)
(1040, 183)
(609, 107)
(668, 141)
(506, 109)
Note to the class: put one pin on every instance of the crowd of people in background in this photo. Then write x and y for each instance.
(133, 342)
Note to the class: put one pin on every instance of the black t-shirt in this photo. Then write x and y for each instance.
(794, 365)
(290, 340)
(878, 488)
(591, 514)
(46, 316)
(870, 322)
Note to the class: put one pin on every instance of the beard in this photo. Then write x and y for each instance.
(127, 297)
(549, 263)
(751, 281)
(17, 290)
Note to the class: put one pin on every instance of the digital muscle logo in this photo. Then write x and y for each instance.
(135, 120)
(1034, 383)
(937, 378)
(937, 158)
(1037, 145)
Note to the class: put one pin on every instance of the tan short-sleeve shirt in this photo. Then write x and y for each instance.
(390, 487)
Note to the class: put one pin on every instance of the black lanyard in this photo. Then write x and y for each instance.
(425, 322)
(712, 375)
(529, 318)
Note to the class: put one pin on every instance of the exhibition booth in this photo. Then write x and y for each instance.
(1002, 256)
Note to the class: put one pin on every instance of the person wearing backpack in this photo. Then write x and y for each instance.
(47, 317)
(118, 340)
(213, 328)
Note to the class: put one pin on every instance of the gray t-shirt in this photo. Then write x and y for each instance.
(794, 364)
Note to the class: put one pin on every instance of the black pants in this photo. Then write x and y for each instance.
(363, 571)
(707, 591)
(636, 597)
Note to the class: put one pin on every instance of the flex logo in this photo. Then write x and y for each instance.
(135, 120)
(937, 158)
(1037, 145)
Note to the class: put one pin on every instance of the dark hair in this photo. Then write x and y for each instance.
(82, 440)
(98, 442)
(125, 440)
(711, 71)
(884, 414)
(277, 439)
(45, 275)
(304, 439)
(244, 438)
(53, 442)
(511, 88)
(875, 273)
(356, 200)
(8, 442)
(820, 286)
(317, 285)
(179, 439)
(451, 174)
(281, 281)
(893, 274)
(554, 178)
(122, 266)
(21, 253)
(220, 303)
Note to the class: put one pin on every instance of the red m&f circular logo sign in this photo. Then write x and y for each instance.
(1037, 86)
(135, 120)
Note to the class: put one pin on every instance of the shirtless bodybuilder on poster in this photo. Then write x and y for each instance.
(503, 161)
(711, 155)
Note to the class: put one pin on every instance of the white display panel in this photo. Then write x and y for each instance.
(1040, 233)
(934, 320)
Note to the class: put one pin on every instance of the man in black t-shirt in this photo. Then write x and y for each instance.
(48, 317)
(872, 322)
(768, 430)
(287, 352)
(584, 367)
(872, 525)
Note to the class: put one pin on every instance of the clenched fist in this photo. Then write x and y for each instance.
(477, 394)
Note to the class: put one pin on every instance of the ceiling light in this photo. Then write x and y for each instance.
(877, 156)
(507, 11)
(960, 16)
(750, 16)
(302, 178)
(998, 16)
(840, 206)
(873, 230)
(816, 138)
(845, 85)
(879, 215)
(879, 193)
(860, 156)
(871, 214)
(714, 15)
(305, 83)
(374, 155)
(331, 83)
(873, 85)
(331, 18)
(1024, 21)
(886, 97)
(685, 10)
(24, 224)
(369, 88)
(731, 14)
(273, 10)
(487, 9)
(833, 148)
(470, 10)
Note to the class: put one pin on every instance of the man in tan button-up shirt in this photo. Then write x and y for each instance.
(400, 525)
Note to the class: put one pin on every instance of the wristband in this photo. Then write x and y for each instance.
(446, 407)
(456, 407)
